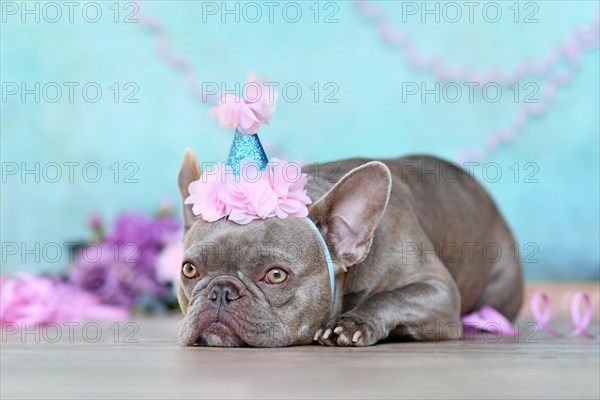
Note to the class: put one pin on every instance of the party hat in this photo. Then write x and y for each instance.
(249, 186)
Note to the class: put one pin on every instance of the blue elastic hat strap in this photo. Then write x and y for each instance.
(327, 257)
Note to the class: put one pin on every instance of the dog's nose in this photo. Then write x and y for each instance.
(224, 292)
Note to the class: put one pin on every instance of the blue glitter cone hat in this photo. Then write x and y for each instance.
(246, 147)
(277, 190)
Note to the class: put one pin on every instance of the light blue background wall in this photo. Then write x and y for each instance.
(560, 213)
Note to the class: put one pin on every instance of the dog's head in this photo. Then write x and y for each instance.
(266, 283)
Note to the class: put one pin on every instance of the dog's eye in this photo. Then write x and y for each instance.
(276, 275)
(189, 270)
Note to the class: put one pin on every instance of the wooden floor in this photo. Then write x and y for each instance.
(157, 367)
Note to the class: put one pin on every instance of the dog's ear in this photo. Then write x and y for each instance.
(188, 173)
(349, 213)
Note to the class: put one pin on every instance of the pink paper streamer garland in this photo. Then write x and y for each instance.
(169, 56)
(583, 38)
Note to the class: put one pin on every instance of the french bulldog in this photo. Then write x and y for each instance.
(415, 242)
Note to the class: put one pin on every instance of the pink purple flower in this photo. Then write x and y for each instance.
(122, 267)
(35, 299)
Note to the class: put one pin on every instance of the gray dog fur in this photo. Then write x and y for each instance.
(415, 241)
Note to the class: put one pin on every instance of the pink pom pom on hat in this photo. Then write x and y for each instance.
(248, 113)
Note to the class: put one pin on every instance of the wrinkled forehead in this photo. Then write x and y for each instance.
(271, 241)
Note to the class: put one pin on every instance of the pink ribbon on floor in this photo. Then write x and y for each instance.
(487, 319)
(490, 320)
(580, 320)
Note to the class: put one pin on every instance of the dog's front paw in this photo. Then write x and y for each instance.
(347, 330)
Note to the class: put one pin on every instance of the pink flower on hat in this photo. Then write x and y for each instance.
(248, 113)
(252, 195)
(207, 194)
